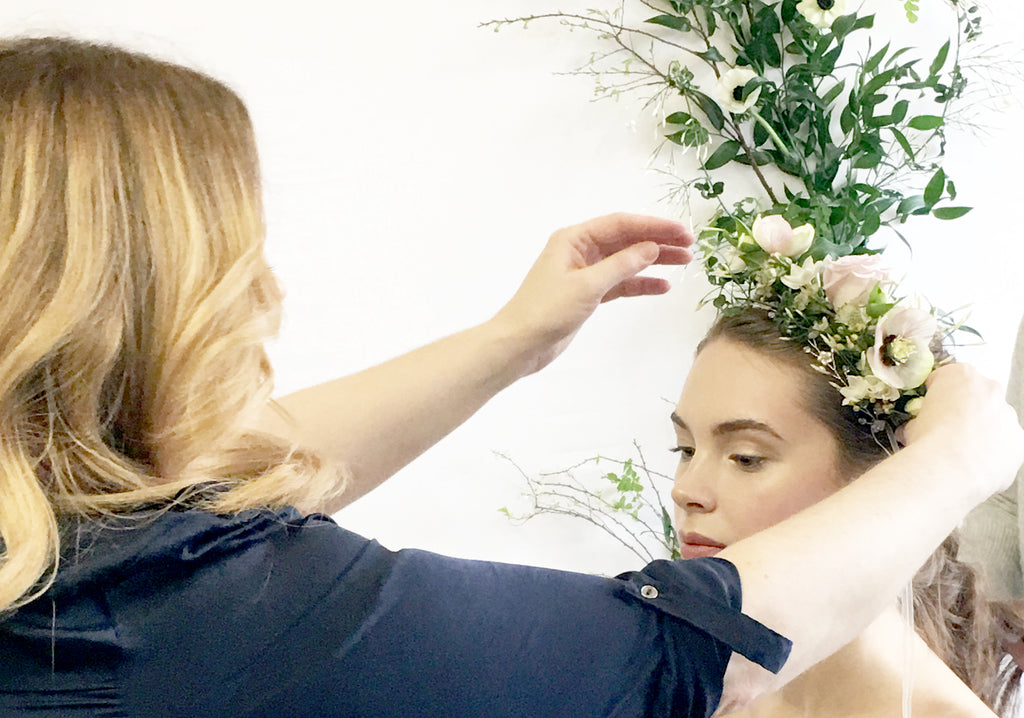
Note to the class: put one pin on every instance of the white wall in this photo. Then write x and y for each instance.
(414, 166)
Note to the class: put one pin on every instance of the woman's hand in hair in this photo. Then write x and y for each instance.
(965, 417)
(581, 267)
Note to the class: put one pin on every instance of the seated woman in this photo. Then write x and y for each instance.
(762, 432)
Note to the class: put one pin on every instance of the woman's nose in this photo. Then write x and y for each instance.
(693, 490)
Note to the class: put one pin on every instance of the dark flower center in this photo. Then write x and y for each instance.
(826, 4)
(737, 93)
(886, 357)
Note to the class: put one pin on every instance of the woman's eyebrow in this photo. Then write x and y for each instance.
(731, 427)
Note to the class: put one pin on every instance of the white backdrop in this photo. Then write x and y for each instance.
(415, 165)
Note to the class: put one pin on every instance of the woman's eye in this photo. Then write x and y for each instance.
(747, 462)
(685, 452)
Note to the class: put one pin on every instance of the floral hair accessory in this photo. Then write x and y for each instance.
(843, 133)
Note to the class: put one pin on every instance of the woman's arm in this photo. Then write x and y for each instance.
(824, 574)
(378, 420)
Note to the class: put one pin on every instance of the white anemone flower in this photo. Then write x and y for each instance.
(901, 356)
(822, 13)
(730, 90)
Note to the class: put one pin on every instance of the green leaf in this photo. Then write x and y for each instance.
(877, 304)
(690, 137)
(950, 212)
(951, 189)
(829, 97)
(933, 191)
(847, 119)
(864, 23)
(843, 26)
(725, 153)
(899, 112)
(903, 142)
(870, 224)
(925, 122)
(867, 161)
(940, 59)
(711, 55)
(877, 82)
(875, 60)
(911, 204)
(673, 21)
(679, 118)
(710, 109)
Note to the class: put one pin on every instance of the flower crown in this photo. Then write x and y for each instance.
(877, 350)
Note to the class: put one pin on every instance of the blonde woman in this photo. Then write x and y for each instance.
(163, 557)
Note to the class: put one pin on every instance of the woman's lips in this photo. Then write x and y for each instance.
(694, 545)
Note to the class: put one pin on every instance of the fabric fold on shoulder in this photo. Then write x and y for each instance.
(706, 593)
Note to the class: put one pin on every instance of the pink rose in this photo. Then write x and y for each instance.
(851, 279)
(775, 235)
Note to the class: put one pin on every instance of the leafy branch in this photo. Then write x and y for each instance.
(624, 502)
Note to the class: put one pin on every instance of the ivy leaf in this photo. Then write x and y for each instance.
(673, 21)
(925, 122)
(950, 212)
(725, 154)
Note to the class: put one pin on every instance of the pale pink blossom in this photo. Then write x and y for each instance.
(775, 236)
(852, 278)
(901, 355)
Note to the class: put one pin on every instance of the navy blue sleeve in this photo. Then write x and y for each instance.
(285, 616)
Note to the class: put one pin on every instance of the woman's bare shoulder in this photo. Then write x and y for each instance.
(865, 680)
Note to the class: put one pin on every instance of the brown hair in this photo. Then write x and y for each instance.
(136, 299)
(951, 612)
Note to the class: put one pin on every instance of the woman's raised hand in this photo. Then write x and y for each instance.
(584, 265)
(965, 415)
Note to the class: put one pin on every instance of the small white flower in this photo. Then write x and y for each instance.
(901, 355)
(859, 388)
(731, 258)
(822, 13)
(854, 316)
(802, 275)
(730, 90)
(913, 406)
(775, 236)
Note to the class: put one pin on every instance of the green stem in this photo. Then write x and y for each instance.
(771, 133)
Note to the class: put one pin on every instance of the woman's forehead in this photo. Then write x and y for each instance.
(730, 382)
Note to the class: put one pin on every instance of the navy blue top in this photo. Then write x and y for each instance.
(188, 613)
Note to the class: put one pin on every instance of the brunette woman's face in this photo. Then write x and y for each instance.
(751, 453)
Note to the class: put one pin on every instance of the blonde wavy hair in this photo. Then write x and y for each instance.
(135, 301)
